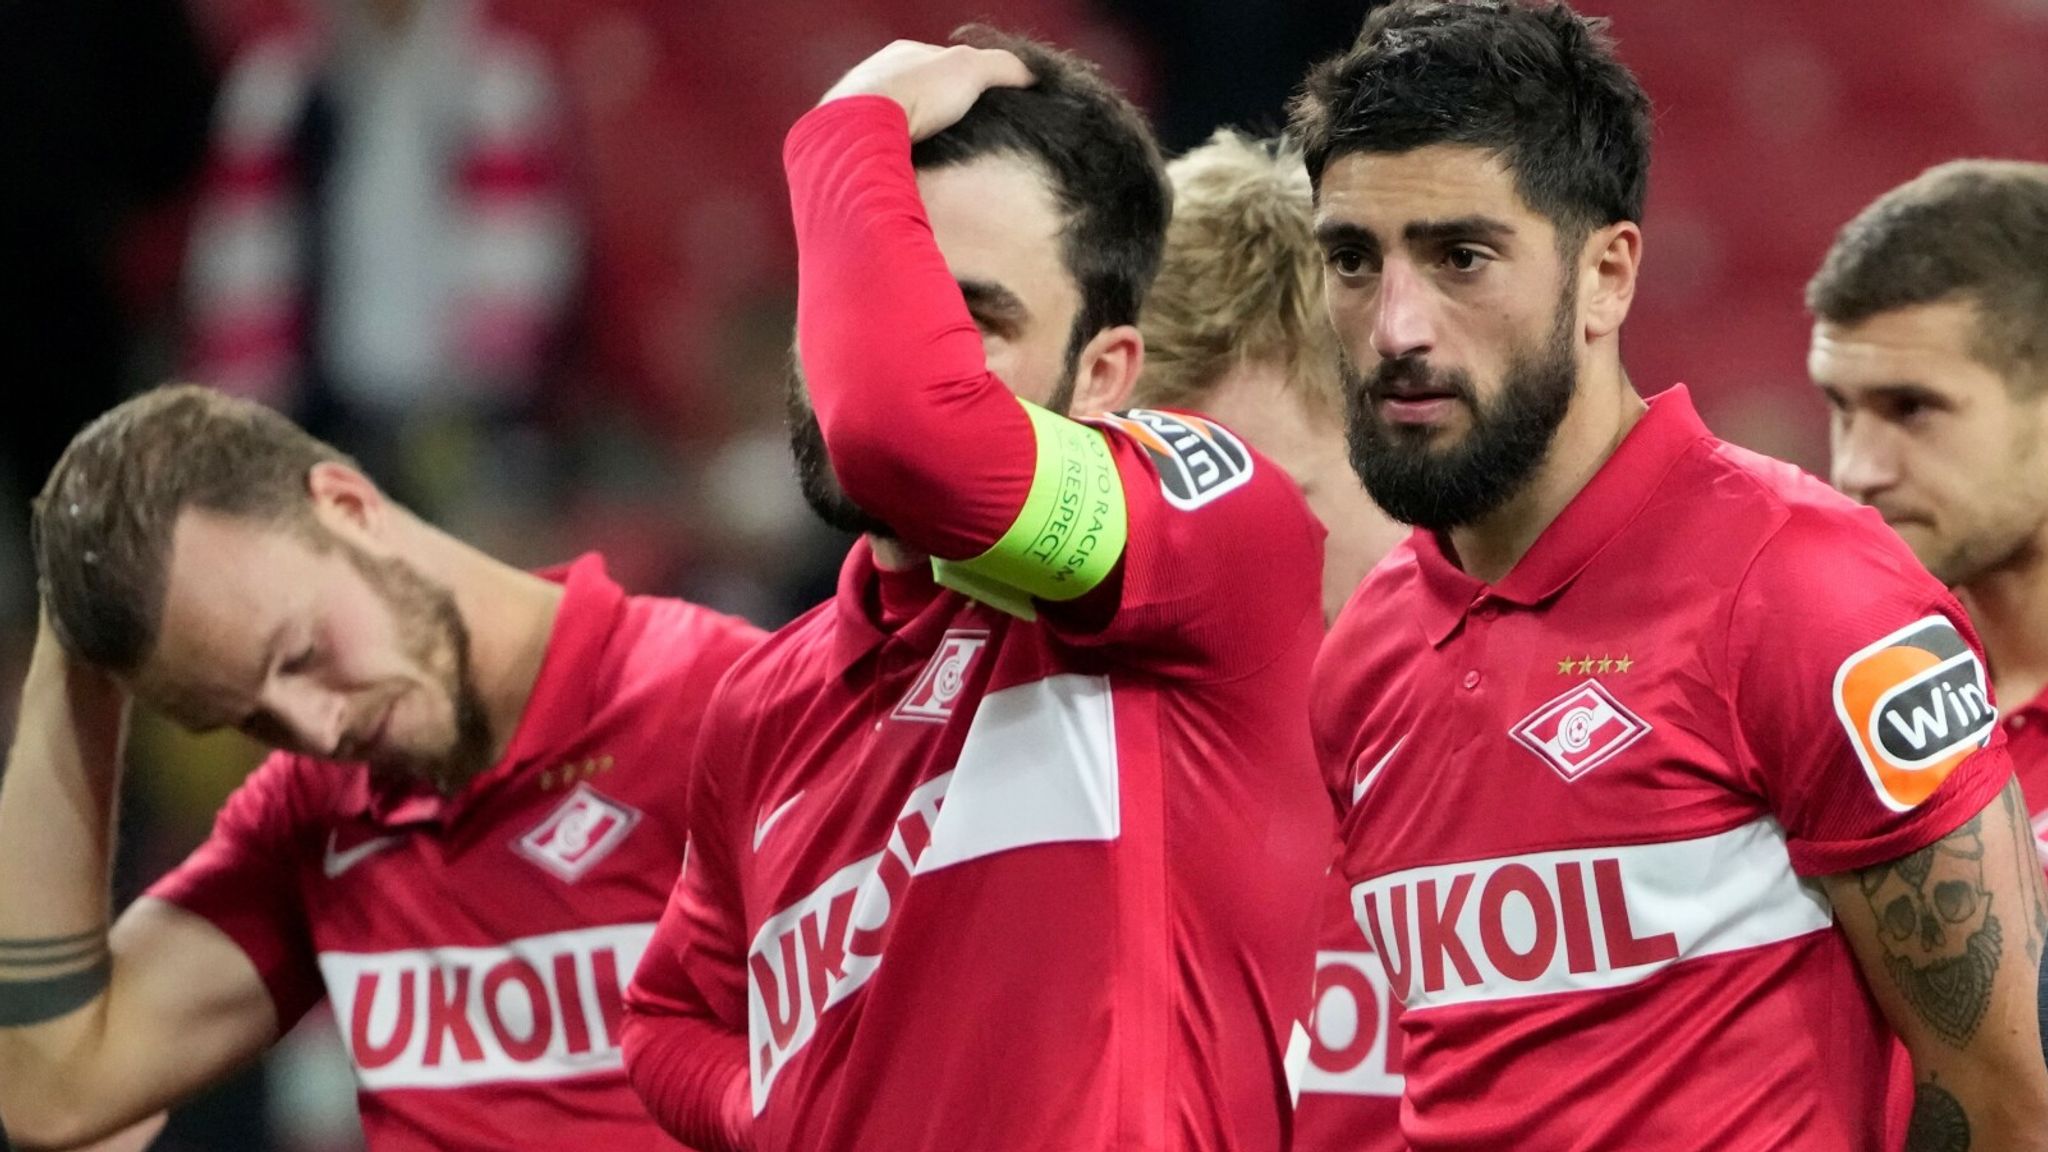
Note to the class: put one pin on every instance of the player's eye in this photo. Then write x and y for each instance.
(299, 661)
(1466, 259)
(1906, 409)
(1348, 262)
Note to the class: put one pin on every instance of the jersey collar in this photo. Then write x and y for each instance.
(565, 695)
(857, 608)
(1608, 503)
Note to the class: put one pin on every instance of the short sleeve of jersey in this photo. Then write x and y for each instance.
(1860, 696)
(244, 880)
(695, 964)
(1223, 561)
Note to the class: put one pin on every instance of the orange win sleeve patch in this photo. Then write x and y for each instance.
(1915, 705)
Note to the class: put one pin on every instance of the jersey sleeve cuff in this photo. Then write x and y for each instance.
(292, 994)
(1965, 794)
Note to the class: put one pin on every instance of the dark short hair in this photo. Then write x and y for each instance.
(1974, 230)
(1099, 154)
(1536, 84)
(104, 521)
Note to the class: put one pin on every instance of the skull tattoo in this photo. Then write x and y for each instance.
(1942, 942)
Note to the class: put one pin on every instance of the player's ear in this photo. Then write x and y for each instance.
(347, 502)
(1107, 370)
(1607, 277)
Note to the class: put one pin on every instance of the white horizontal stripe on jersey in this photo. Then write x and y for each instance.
(539, 1008)
(1582, 919)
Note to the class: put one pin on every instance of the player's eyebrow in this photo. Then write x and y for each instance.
(1461, 229)
(994, 307)
(1335, 234)
(1896, 392)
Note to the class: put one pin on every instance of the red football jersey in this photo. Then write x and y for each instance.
(476, 949)
(1586, 804)
(1351, 1089)
(967, 881)
(962, 879)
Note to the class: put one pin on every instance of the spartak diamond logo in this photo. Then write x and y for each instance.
(582, 830)
(1580, 730)
(930, 700)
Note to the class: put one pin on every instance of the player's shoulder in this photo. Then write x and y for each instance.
(1806, 532)
(1376, 629)
(1820, 577)
(660, 644)
(671, 632)
(790, 665)
(288, 791)
(1385, 594)
(1737, 521)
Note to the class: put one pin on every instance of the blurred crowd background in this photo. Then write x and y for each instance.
(529, 260)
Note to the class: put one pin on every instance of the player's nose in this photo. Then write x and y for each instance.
(1404, 316)
(313, 717)
(1862, 460)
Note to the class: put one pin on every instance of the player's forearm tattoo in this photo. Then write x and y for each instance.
(2028, 865)
(1941, 942)
(47, 977)
(1939, 1123)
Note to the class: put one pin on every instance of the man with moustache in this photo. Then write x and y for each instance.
(1672, 786)
(463, 840)
(1018, 842)
(1235, 329)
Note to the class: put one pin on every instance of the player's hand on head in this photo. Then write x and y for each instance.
(935, 85)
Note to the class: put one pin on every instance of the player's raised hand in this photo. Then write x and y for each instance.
(936, 85)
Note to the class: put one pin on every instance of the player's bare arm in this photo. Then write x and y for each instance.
(98, 1028)
(1950, 938)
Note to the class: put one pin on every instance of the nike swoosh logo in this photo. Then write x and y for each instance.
(768, 821)
(336, 863)
(1358, 789)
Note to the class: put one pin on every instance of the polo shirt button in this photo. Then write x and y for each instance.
(2016, 722)
(1471, 680)
(1488, 612)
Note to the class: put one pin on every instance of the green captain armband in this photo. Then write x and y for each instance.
(1068, 537)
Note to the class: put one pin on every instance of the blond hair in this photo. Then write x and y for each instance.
(1241, 282)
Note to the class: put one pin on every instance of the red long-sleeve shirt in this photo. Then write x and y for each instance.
(959, 879)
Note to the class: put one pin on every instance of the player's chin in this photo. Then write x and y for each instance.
(1430, 441)
(1920, 535)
